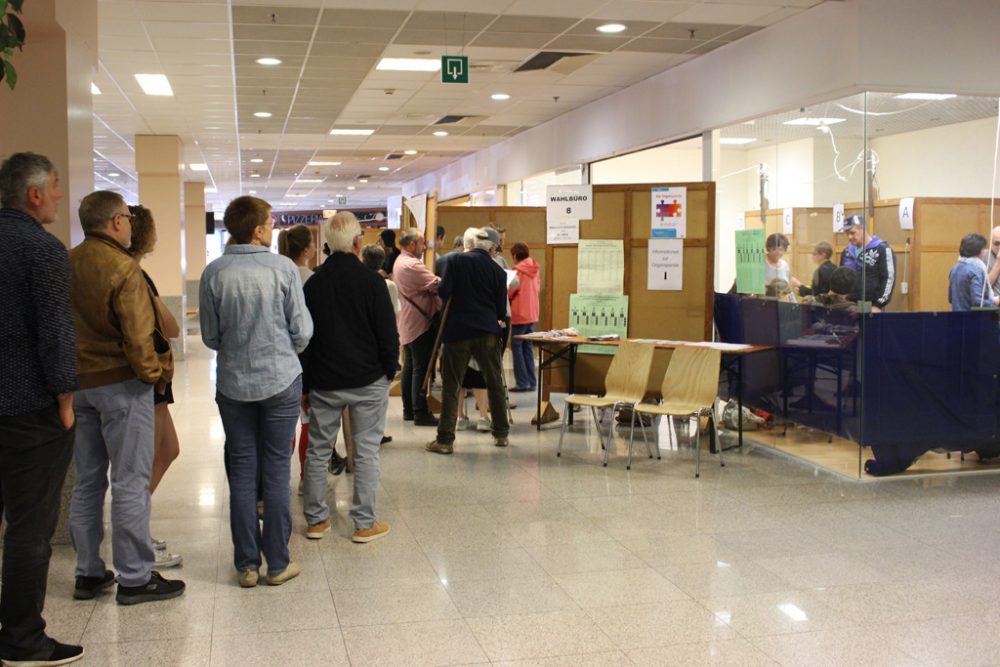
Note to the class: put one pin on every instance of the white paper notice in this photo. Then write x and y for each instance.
(906, 213)
(741, 221)
(669, 213)
(569, 202)
(511, 274)
(787, 221)
(561, 231)
(418, 206)
(838, 218)
(666, 264)
(600, 267)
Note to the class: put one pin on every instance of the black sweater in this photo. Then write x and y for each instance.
(820, 280)
(478, 291)
(354, 341)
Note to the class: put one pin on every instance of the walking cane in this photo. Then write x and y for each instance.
(434, 352)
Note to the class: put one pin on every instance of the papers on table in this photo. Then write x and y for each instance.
(724, 347)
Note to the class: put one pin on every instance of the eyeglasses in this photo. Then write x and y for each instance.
(996, 243)
(123, 215)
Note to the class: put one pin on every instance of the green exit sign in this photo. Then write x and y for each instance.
(454, 69)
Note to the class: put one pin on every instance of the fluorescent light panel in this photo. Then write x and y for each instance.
(500, 97)
(925, 96)
(815, 122)
(409, 152)
(155, 84)
(94, 90)
(440, 133)
(409, 64)
(198, 166)
(351, 132)
(256, 160)
(735, 141)
(309, 180)
(611, 28)
(268, 61)
(321, 163)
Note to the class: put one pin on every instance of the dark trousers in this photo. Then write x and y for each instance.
(35, 452)
(416, 359)
(454, 360)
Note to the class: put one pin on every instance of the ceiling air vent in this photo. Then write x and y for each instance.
(556, 61)
(393, 156)
(464, 121)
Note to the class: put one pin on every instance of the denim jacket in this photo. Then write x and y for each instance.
(252, 311)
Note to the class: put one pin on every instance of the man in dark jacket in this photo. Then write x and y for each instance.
(352, 357)
(822, 252)
(477, 288)
(873, 262)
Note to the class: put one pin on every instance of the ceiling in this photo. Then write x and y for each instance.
(327, 79)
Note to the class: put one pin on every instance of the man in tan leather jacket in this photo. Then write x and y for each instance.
(118, 367)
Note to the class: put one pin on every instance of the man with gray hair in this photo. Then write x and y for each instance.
(352, 357)
(118, 367)
(477, 288)
(37, 380)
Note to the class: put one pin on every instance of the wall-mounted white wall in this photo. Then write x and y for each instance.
(673, 163)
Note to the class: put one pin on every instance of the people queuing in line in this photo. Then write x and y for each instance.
(524, 315)
(166, 446)
(252, 312)
(38, 368)
(968, 280)
(387, 239)
(349, 363)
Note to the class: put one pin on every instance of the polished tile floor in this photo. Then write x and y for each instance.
(517, 557)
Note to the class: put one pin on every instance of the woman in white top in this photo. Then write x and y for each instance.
(775, 267)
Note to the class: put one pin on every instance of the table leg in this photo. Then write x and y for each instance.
(538, 392)
(739, 394)
(572, 379)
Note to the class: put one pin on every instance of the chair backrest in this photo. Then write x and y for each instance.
(628, 374)
(692, 376)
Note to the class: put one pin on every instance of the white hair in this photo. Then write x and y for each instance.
(340, 231)
(469, 238)
(486, 244)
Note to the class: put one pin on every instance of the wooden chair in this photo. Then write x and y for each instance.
(625, 385)
(690, 389)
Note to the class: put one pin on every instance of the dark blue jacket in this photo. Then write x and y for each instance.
(478, 291)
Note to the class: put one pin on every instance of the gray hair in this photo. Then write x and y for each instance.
(411, 235)
(469, 238)
(486, 243)
(18, 174)
(340, 232)
(373, 256)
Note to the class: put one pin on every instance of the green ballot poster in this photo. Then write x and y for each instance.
(750, 261)
(599, 315)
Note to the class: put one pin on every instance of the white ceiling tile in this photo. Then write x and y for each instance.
(641, 10)
(571, 9)
(723, 13)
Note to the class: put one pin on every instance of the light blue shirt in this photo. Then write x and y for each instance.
(252, 311)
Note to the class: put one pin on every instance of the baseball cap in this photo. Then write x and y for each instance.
(851, 221)
(489, 233)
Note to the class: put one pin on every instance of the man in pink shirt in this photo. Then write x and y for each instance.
(418, 305)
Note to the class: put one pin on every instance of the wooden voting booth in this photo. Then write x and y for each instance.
(620, 212)
(924, 255)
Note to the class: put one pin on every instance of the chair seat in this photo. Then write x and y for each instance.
(596, 401)
(678, 408)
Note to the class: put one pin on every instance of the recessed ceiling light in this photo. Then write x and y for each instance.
(925, 96)
(262, 114)
(154, 84)
(410, 152)
(320, 163)
(815, 122)
(309, 180)
(735, 141)
(350, 187)
(113, 174)
(198, 166)
(94, 90)
(255, 175)
(296, 195)
(351, 132)
(440, 133)
(256, 160)
(500, 97)
(209, 189)
(409, 64)
(383, 168)
(253, 192)
(268, 61)
(612, 28)
(362, 180)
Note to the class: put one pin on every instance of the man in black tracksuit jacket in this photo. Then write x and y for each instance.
(874, 264)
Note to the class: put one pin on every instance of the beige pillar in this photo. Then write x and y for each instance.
(195, 241)
(159, 166)
(50, 110)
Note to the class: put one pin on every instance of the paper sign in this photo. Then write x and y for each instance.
(598, 315)
(569, 202)
(750, 261)
(418, 206)
(561, 231)
(741, 220)
(666, 264)
(787, 221)
(669, 213)
(511, 274)
(600, 267)
(906, 213)
(838, 218)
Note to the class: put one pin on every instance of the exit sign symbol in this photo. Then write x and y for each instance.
(454, 69)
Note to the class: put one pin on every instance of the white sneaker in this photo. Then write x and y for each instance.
(484, 425)
(462, 424)
(159, 545)
(165, 559)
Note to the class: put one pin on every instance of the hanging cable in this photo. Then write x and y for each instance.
(993, 196)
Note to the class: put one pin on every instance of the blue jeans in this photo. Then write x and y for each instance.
(114, 428)
(524, 363)
(259, 436)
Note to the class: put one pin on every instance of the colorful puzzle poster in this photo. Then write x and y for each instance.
(669, 214)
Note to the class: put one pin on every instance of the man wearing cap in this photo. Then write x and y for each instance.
(873, 262)
(477, 288)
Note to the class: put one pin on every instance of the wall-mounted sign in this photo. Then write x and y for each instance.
(838, 218)
(788, 221)
(669, 213)
(666, 264)
(906, 213)
(569, 202)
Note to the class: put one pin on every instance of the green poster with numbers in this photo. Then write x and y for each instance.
(599, 315)
(750, 260)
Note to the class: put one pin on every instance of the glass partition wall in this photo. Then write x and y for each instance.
(890, 365)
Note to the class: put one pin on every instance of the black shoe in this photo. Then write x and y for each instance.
(157, 588)
(337, 464)
(62, 654)
(88, 587)
(519, 390)
(407, 418)
(386, 439)
(425, 420)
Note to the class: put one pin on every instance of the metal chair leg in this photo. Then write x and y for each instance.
(697, 446)
(562, 431)
(713, 425)
(645, 439)
(611, 432)
(631, 432)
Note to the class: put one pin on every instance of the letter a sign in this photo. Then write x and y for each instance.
(454, 69)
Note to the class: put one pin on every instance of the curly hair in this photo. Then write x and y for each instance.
(143, 231)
